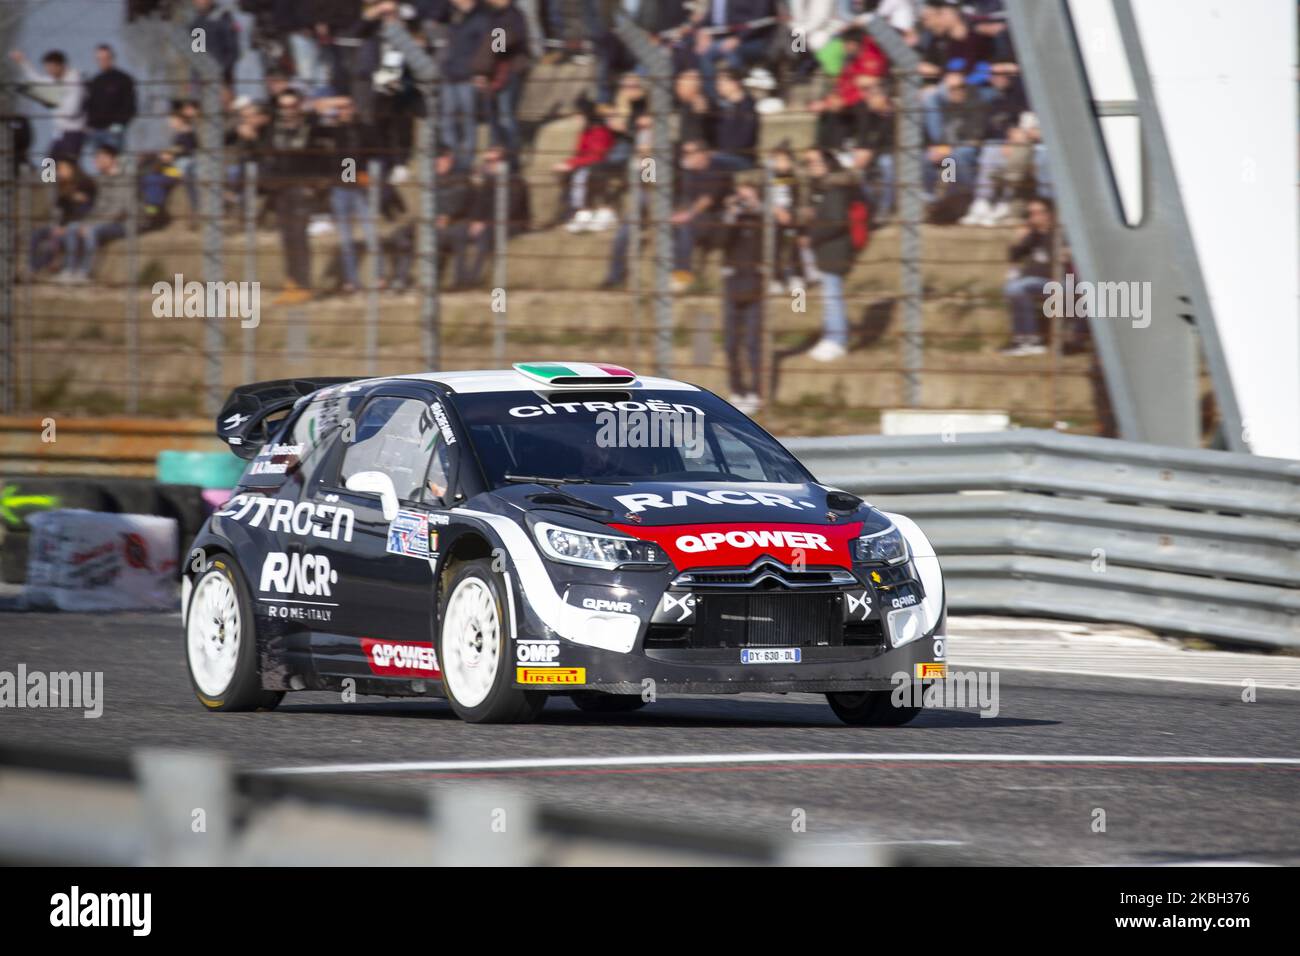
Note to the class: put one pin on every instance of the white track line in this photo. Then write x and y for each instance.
(662, 760)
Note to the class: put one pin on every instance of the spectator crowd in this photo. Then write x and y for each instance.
(330, 123)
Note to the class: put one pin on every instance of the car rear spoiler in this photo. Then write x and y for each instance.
(242, 421)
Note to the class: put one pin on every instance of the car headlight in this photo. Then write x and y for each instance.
(883, 547)
(593, 550)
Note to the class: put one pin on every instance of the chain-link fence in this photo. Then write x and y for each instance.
(824, 235)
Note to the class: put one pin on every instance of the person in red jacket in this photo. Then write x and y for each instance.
(581, 173)
(861, 58)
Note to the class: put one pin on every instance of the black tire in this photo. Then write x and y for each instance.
(244, 689)
(870, 708)
(598, 702)
(503, 703)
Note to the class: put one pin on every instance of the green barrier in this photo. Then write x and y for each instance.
(207, 469)
(14, 504)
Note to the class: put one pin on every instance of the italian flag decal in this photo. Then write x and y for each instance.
(575, 373)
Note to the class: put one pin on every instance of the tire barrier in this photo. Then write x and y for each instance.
(94, 561)
(22, 497)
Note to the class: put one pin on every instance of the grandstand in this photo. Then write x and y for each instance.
(92, 343)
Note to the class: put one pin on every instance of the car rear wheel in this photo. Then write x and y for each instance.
(474, 650)
(870, 708)
(221, 643)
(597, 702)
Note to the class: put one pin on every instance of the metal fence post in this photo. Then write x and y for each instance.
(1056, 327)
(908, 178)
(426, 240)
(187, 808)
(11, 22)
(535, 33)
(425, 70)
(8, 252)
(132, 303)
(249, 357)
(658, 65)
(24, 323)
(501, 213)
(483, 826)
(632, 254)
(767, 382)
(374, 189)
(661, 106)
(211, 175)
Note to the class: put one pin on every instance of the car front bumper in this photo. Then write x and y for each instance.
(723, 670)
(654, 632)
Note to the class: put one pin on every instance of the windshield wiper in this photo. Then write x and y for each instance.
(540, 480)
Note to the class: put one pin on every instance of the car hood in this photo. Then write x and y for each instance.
(732, 523)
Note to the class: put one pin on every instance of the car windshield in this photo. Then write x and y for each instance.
(620, 436)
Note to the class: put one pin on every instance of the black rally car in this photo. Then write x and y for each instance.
(496, 537)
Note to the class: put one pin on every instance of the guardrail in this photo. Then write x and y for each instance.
(1191, 542)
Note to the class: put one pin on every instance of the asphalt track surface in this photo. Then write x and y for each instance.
(954, 785)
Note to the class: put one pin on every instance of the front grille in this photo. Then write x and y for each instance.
(768, 619)
(764, 574)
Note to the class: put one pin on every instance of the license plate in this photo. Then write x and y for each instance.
(771, 655)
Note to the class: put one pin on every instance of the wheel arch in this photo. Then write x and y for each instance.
(467, 546)
(210, 550)
(215, 549)
(473, 544)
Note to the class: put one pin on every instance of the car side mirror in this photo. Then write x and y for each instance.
(376, 483)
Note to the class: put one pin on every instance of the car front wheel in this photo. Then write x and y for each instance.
(474, 650)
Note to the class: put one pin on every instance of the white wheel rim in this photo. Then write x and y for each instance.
(471, 642)
(213, 632)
